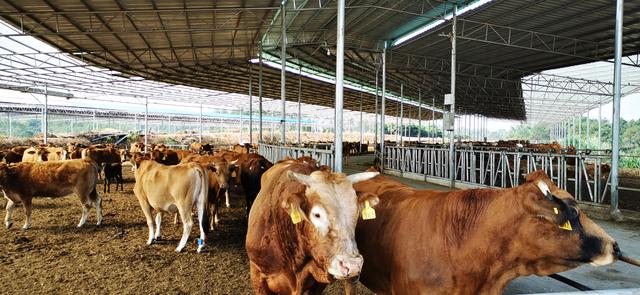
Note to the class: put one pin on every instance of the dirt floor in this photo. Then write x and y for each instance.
(56, 257)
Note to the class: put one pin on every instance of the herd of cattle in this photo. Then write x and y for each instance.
(309, 226)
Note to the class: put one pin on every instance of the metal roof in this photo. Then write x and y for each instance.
(208, 44)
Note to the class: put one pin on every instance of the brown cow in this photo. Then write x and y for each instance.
(23, 181)
(301, 229)
(219, 172)
(165, 156)
(101, 155)
(10, 156)
(173, 189)
(252, 167)
(474, 241)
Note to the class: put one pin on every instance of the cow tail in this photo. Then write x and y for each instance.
(201, 195)
(94, 193)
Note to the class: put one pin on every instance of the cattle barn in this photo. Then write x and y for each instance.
(322, 147)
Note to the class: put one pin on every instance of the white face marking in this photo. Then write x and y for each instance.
(320, 220)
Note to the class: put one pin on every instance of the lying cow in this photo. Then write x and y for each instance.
(474, 241)
(21, 182)
(172, 189)
(301, 229)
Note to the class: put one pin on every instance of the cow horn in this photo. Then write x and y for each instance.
(544, 188)
(362, 176)
(301, 178)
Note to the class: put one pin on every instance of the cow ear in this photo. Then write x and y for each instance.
(367, 197)
(362, 176)
(291, 203)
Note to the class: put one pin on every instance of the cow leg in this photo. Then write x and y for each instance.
(98, 203)
(259, 282)
(27, 212)
(175, 218)
(187, 224)
(158, 222)
(226, 198)
(86, 206)
(213, 206)
(8, 219)
(146, 209)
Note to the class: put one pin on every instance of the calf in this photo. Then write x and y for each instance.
(173, 189)
(301, 229)
(21, 182)
(474, 241)
(112, 172)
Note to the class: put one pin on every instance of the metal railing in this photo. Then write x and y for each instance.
(276, 153)
(585, 176)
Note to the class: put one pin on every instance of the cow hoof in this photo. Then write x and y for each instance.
(26, 226)
(201, 249)
(178, 250)
(9, 224)
(228, 205)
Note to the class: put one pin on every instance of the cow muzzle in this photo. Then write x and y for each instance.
(610, 253)
(346, 266)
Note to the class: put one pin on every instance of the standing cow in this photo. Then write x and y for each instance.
(21, 182)
(172, 189)
(301, 229)
(474, 241)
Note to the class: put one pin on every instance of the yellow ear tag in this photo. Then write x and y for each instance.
(555, 210)
(368, 212)
(164, 158)
(566, 226)
(295, 216)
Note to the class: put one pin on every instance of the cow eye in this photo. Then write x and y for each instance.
(316, 215)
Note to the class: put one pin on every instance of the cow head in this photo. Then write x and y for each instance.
(223, 171)
(559, 235)
(328, 206)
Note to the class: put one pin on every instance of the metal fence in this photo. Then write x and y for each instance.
(276, 153)
(585, 176)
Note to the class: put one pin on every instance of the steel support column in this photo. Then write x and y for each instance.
(382, 101)
(260, 138)
(241, 124)
(146, 124)
(45, 116)
(199, 124)
(283, 73)
(452, 152)
(588, 129)
(10, 125)
(419, 115)
(600, 125)
(250, 105)
(299, 135)
(617, 78)
(361, 125)
(339, 105)
(401, 125)
(375, 130)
